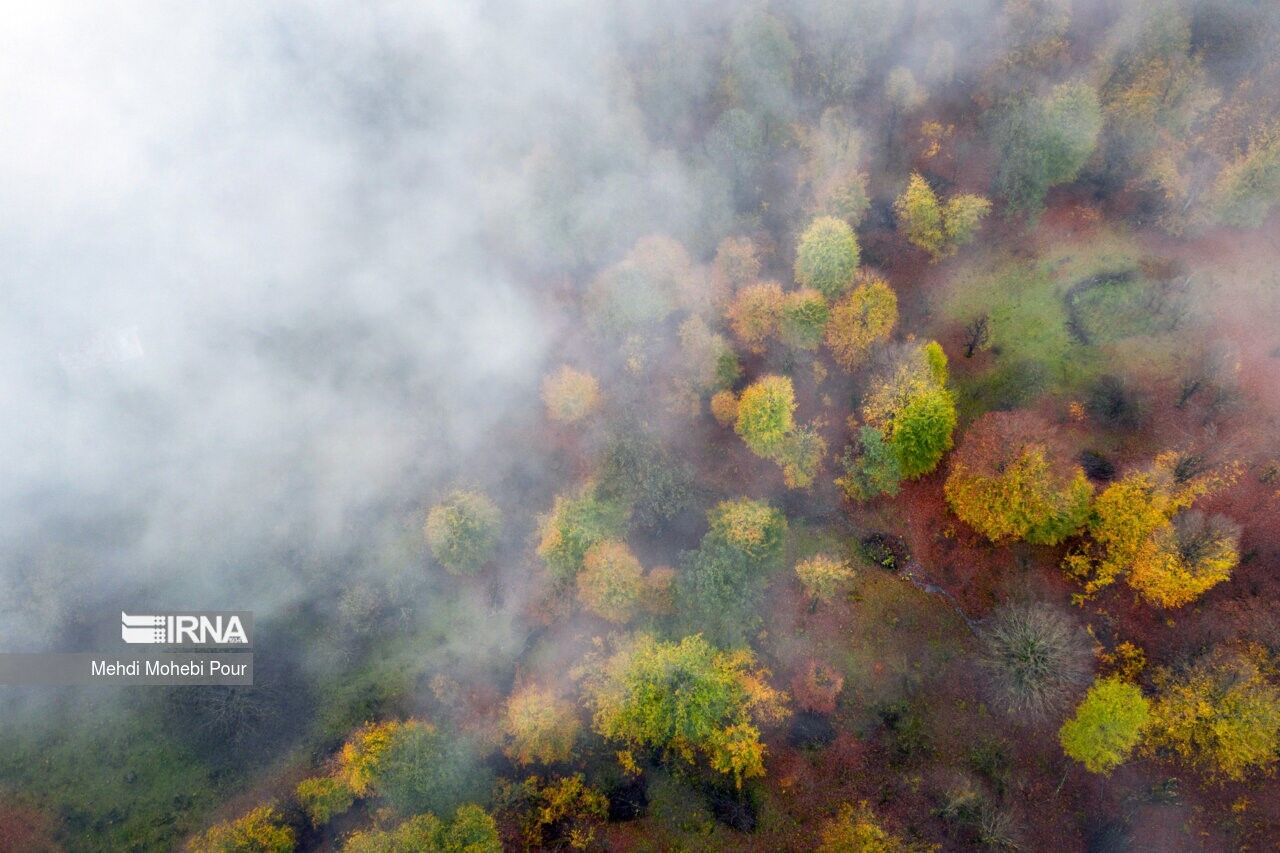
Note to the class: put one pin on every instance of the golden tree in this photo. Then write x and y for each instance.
(611, 581)
(570, 395)
(1222, 715)
(863, 318)
(541, 728)
(1011, 479)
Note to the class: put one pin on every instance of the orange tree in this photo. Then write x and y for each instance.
(863, 318)
(1133, 534)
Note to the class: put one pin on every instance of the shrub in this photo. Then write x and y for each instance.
(611, 581)
(324, 797)
(765, 414)
(1036, 656)
(804, 316)
(570, 395)
(754, 314)
(574, 525)
(1107, 725)
(1011, 478)
(863, 318)
(823, 576)
(541, 728)
(856, 829)
(827, 256)
(1222, 715)
(687, 699)
(259, 831)
(462, 531)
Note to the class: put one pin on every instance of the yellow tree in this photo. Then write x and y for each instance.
(1222, 715)
(1133, 523)
(765, 412)
(1011, 479)
(541, 728)
(611, 581)
(260, 830)
(570, 395)
(920, 216)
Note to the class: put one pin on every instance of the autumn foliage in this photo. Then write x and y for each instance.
(1011, 478)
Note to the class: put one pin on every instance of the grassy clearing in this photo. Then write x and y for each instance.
(113, 783)
(1036, 349)
(900, 640)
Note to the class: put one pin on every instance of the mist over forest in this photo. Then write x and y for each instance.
(842, 425)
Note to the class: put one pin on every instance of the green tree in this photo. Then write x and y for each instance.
(574, 524)
(1248, 187)
(710, 364)
(827, 256)
(804, 316)
(462, 531)
(1045, 142)
(800, 456)
(760, 65)
(962, 216)
(872, 470)
(688, 700)
(637, 471)
(765, 414)
(913, 410)
(424, 769)
(1107, 725)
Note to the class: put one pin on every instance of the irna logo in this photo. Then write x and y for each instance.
(210, 628)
